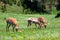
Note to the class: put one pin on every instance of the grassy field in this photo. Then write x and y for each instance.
(52, 32)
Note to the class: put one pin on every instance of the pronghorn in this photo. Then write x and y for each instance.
(33, 20)
(11, 22)
(42, 21)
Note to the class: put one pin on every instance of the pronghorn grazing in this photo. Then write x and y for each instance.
(42, 21)
(11, 22)
(33, 20)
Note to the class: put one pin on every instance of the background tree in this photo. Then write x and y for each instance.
(34, 5)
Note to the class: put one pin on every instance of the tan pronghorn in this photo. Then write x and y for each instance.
(11, 22)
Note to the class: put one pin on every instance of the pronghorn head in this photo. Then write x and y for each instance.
(16, 28)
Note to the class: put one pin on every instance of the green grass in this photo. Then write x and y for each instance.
(52, 32)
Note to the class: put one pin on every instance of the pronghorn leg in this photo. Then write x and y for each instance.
(35, 24)
(7, 27)
(29, 23)
(13, 27)
(40, 25)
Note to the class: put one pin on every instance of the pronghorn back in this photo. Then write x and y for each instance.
(13, 20)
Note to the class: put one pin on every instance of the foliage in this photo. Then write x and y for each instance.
(44, 6)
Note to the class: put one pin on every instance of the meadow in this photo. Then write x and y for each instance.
(52, 32)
